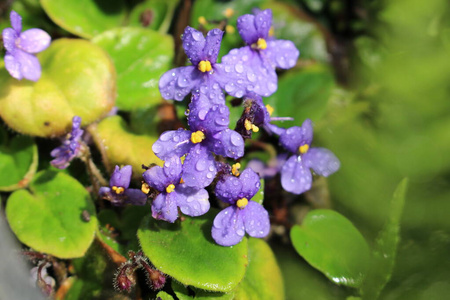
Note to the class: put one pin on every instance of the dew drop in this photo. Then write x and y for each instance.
(239, 68)
(201, 165)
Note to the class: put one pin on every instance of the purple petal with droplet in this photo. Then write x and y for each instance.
(199, 167)
(16, 21)
(177, 83)
(227, 143)
(30, 67)
(212, 46)
(193, 44)
(229, 189)
(192, 201)
(208, 118)
(172, 143)
(34, 40)
(256, 220)
(156, 178)
(263, 21)
(9, 39)
(295, 136)
(135, 197)
(172, 169)
(295, 177)
(121, 176)
(13, 66)
(322, 161)
(250, 183)
(228, 227)
(282, 53)
(246, 28)
(164, 207)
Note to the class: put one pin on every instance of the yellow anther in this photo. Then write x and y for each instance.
(181, 180)
(261, 44)
(271, 31)
(241, 203)
(255, 128)
(145, 188)
(202, 20)
(235, 169)
(170, 188)
(249, 126)
(118, 190)
(228, 12)
(303, 149)
(270, 109)
(204, 66)
(229, 29)
(197, 137)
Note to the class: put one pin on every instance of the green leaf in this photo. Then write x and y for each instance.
(259, 196)
(309, 88)
(48, 218)
(120, 146)
(385, 250)
(263, 279)
(152, 13)
(86, 18)
(18, 161)
(186, 251)
(330, 243)
(140, 56)
(164, 296)
(78, 78)
(183, 293)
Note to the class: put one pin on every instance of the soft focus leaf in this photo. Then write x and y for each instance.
(78, 78)
(48, 218)
(120, 146)
(263, 279)
(186, 251)
(329, 242)
(18, 161)
(151, 13)
(385, 250)
(183, 293)
(85, 18)
(140, 56)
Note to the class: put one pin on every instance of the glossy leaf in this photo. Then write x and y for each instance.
(164, 296)
(18, 161)
(385, 251)
(330, 243)
(186, 251)
(263, 279)
(48, 218)
(184, 293)
(120, 146)
(86, 18)
(140, 56)
(78, 78)
(152, 13)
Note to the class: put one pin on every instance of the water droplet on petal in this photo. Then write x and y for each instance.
(239, 68)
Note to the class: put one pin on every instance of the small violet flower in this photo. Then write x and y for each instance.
(261, 55)
(70, 148)
(174, 193)
(118, 192)
(243, 215)
(20, 47)
(205, 75)
(295, 174)
(209, 134)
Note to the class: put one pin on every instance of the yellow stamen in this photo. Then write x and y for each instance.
(228, 12)
(255, 128)
(270, 109)
(261, 44)
(241, 203)
(303, 149)
(249, 126)
(229, 29)
(197, 137)
(204, 66)
(181, 180)
(170, 188)
(202, 20)
(271, 31)
(118, 190)
(235, 169)
(145, 188)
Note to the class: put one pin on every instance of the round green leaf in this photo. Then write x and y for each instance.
(184, 293)
(186, 251)
(140, 56)
(263, 279)
(85, 18)
(78, 78)
(330, 243)
(48, 218)
(18, 161)
(120, 146)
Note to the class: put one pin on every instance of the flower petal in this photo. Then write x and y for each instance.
(282, 53)
(263, 21)
(9, 39)
(208, 118)
(295, 178)
(29, 65)
(13, 66)
(212, 46)
(172, 169)
(121, 176)
(294, 137)
(16, 22)
(199, 167)
(156, 178)
(172, 143)
(229, 189)
(34, 40)
(164, 207)
(250, 183)
(192, 201)
(135, 197)
(177, 83)
(228, 227)
(322, 161)
(193, 44)
(227, 143)
(246, 28)
(256, 220)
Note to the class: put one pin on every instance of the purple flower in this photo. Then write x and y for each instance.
(174, 193)
(209, 134)
(257, 60)
(243, 215)
(205, 75)
(70, 148)
(118, 192)
(20, 47)
(295, 174)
